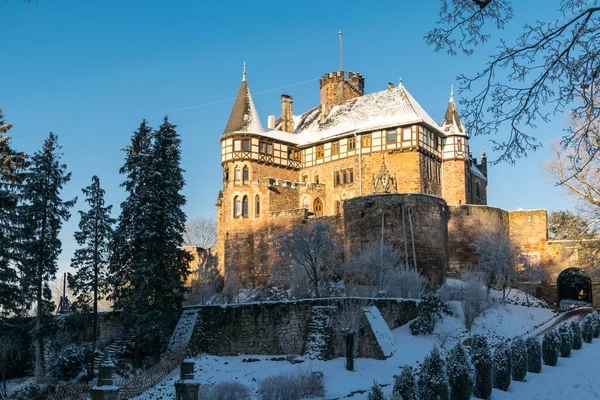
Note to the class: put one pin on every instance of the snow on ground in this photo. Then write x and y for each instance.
(499, 323)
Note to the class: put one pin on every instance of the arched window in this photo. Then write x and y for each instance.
(245, 175)
(257, 205)
(318, 207)
(245, 207)
(305, 203)
(237, 174)
(237, 206)
(226, 174)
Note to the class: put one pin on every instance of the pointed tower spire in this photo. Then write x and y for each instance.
(400, 82)
(244, 117)
(452, 123)
(451, 94)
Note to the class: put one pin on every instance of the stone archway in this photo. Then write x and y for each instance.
(574, 285)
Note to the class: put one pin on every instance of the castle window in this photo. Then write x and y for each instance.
(305, 203)
(352, 143)
(320, 152)
(293, 154)
(335, 148)
(365, 141)
(391, 136)
(257, 205)
(245, 207)
(304, 178)
(338, 207)
(478, 193)
(237, 207)
(337, 180)
(237, 174)
(436, 142)
(406, 134)
(345, 174)
(351, 175)
(245, 175)
(317, 179)
(237, 145)
(246, 145)
(265, 148)
(225, 174)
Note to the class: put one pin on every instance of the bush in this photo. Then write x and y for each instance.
(502, 367)
(405, 385)
(224, 391)
(577, 339)
(481, 357)
(534, 355)
(69, 364)
(551, 348)
(566, 335)
(292, 387)
(596, 318)
(460, 373)
(518, 353)
(375, 393)
(587, 329)
(431, 309)
(433, 381)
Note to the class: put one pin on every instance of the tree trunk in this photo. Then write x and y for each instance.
(39, 347)
(350, 351)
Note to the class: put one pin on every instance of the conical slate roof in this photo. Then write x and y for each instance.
(452, 124)
(244, 117)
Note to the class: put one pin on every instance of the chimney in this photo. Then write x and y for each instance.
(271, 122)
(287, 117)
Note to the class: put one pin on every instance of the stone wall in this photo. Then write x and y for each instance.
(362, 228)
(277, 328)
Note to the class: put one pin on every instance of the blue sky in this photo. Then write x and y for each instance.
(90, 71)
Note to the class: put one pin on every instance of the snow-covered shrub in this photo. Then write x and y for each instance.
(405, 385)
(502, 367)
(577, 339)
(375, 393)
(472, 296)
(518, 354)
(460, 373)
(587, 329)
(301, 384)
(431, 309)
(224, 391)
(566, 335)
(481, 356)
(551, 348)
(69, 363)
(596, 318)
(433, 381)
(534, 355)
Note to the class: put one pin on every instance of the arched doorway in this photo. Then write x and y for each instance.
(318, 207)
(574, 286)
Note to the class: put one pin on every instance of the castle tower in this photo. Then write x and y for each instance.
(335, 88)
(455, 156)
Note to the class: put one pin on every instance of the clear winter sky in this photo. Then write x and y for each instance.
(90, 71)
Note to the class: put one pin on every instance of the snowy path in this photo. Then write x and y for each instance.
(575, 377)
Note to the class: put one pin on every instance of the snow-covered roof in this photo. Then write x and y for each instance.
(475, 171)
(244, 117)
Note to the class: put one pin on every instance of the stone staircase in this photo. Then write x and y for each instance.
(318, 335)
(184, 329)
(112, 349)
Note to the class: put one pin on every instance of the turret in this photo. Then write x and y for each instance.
(483, 165)
(336, 89)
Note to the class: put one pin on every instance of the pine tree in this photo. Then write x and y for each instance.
(534, 354)
(42, 215)
(596, 318)
(461, 373)
(566, 337)
(518, 353)
(433, 381)
(150, 269)
(587, 329)
(12, 167)
(375, 393)
(551, 348)
(405, 385)
(502, 367)
(91, 258)
(577, 340)
(481, 356)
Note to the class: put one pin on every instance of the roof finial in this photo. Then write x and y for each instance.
(244, 74)
(400, 82)
(483, 152)
(451, 93)
(340, 35)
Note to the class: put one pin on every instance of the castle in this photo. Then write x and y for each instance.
(349, 160)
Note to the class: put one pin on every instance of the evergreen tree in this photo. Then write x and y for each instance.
(481, 356)
(577, 340)
(91, 258)
(587, 329)
(405, 385)
(42, 215)
(534, 355)
(433, 381)
(375, 393)
(502, 367)
(12, 167)
(596, 318)
(150, 269)
(461, 373)
(518, 353)
(566, 337)
(551, 348)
